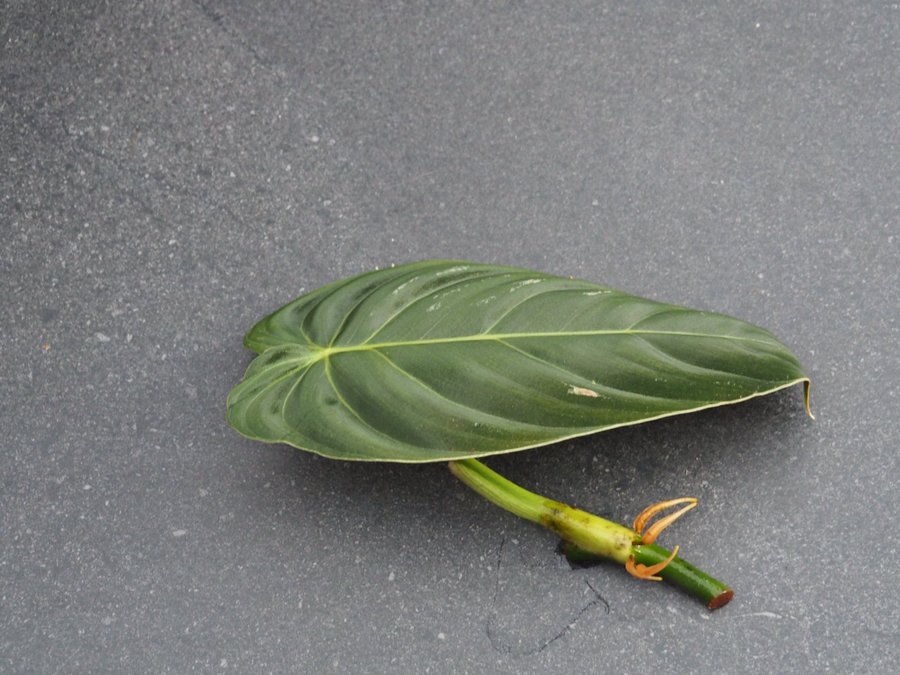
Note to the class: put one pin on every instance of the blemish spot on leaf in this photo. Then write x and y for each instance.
(582, 391)
(444, 294)
(521, 284)
(452, 270)
(486, 301)
(404, 285)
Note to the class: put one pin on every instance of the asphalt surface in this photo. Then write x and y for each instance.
(173, 171)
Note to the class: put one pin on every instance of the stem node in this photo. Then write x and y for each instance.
(588, 537)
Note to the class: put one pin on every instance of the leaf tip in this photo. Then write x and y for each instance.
(806, 388)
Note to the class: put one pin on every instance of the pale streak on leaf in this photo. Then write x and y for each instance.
(582, 391)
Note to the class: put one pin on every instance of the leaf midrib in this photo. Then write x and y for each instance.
(325, 352)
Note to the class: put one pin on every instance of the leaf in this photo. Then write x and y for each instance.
(443, 360)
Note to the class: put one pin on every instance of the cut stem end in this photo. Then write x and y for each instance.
(587, 538)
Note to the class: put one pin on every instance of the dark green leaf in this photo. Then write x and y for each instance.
(445, 360)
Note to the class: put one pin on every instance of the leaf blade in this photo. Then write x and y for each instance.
(444, 360)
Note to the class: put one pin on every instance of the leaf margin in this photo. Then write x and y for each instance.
(265, 352)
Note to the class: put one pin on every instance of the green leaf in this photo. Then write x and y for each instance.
(442, 360)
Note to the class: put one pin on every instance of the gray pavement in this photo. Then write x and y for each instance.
(172, 171)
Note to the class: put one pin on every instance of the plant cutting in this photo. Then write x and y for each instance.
(448, 361)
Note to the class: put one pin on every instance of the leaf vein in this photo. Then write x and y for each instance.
(591, 384)
(461, 404)
(428, 297)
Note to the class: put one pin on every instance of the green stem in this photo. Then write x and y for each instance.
(588, 537)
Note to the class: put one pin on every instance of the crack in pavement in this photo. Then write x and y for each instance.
(504, 647)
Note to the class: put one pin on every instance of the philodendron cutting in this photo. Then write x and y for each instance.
(452, 361)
